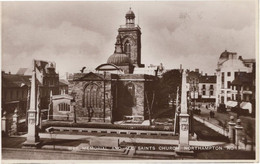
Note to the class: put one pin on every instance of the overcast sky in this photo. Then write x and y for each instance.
(77, 34)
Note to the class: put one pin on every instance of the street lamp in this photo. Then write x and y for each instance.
(104, 107)
(193, 86)
(238, 100)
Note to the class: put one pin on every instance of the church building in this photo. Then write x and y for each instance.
(113, 91)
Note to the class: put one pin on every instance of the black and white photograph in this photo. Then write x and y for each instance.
(151, 81)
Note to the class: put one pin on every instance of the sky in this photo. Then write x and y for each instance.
(77, 34)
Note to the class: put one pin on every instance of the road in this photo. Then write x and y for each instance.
(222, 119)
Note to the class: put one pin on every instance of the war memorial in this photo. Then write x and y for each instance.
(119, 111)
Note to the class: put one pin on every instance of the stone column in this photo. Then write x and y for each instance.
(239, 130)
(231, 127)
(184, 132)
(4, 123)
(33, 139)
(184, 118)
(14, 125)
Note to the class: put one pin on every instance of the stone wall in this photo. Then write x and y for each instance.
(133, 103)
(82, 111)
(124, 96)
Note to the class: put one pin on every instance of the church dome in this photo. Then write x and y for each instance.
(119, 59)
(130, 14)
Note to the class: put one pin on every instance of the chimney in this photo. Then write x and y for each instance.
(197, 70)
(206, 74)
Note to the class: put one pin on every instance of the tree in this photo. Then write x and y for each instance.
(150, 106)
(168, 86)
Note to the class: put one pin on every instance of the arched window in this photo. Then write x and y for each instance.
(93, 96)
(127, 48)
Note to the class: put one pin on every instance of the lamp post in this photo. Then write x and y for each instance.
(104, 110)
(238, 100)
(193, 86)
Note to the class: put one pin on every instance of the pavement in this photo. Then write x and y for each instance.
(224, 118)
(126, 139)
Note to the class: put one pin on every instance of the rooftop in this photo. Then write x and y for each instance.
(15, 81)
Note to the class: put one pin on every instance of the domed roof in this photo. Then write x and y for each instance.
(130, 14)
(224, 55)
(119, 59)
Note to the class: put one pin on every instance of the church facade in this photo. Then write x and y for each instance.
(112, 92)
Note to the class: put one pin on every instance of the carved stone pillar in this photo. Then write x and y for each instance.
(184, 118)
(33, 139)
(4, 123)
(231, 129)
(239, 134)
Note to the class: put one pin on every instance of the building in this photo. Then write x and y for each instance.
(242, 92)
(207, 88)
(202, 88)
(113, 91)
(63, 87)
(61, 107)
(16, 87)
(48, 81)
(228, 68)
(15, 93)
(193, 84)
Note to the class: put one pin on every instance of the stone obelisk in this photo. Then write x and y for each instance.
(33, 139)
(184, 117)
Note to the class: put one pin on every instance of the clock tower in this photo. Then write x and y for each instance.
(130, 33)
